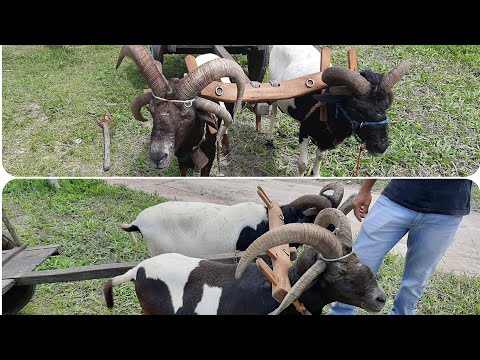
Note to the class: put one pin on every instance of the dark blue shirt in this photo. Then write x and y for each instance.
(437, 196)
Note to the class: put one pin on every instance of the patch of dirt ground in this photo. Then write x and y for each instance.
(463, 256)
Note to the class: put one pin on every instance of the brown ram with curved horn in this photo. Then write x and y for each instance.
(310, 234)
(179, 127)
(344, 235)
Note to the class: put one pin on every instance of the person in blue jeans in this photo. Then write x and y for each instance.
(429, 210)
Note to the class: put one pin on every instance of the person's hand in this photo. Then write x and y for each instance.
(361, 204)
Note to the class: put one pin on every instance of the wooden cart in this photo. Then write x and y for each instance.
(257, 55)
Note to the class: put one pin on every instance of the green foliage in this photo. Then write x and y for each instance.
(83, 216)
(53, 96)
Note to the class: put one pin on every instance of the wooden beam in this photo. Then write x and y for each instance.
(326, 58)
(96, 271)
(10, 254)
(72, 274)
(266, 93)
(220, 51)
(352, 59)
(27, 260)
(10, 228)
(191, 63)
(265, 269)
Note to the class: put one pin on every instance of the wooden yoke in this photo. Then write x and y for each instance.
(353, 65)
(280, 256)
(191, 63)
(265, 93)
(352, 59)
(325, 61)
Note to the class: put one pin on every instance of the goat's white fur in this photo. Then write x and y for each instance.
(302, 159)
(174, 270)
(289, 62)
(195, 228)
(210, 301)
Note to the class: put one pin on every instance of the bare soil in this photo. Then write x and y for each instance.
(463, 256)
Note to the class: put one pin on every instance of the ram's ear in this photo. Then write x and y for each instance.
(308, 258)
(391, 97)
(311, 212)
(208, 119)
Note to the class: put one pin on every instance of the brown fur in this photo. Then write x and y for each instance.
(108, 294)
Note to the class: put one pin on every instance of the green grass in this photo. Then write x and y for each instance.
(446, 293)
(83, 217)
(53, 96)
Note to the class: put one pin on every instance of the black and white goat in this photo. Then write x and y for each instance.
(199, 229)
(360, 108)
(171, 283)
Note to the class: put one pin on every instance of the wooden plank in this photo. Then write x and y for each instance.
(287, 89)
(73, 274)
(27, 260)
(58, 247)
(220, 51)
(326, 57)
(265, 93)
(191, 63)
(229, 258)
(280, 256)
(10, 254)
(90, 272)
(7, 285)
(352, 59)
(265, 269)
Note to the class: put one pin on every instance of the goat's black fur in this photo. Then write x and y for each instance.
(290, 215)
(327, 135)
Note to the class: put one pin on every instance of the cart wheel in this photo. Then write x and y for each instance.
(16, 299)
(157, 52)
(257, 63)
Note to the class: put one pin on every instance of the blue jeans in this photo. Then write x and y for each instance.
(429, 236)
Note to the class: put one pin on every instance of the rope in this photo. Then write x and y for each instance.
(340, 258)
(104, 120)
(312, 109)
(202, 139)
(186, 103)
(355, 124)
(218, 157)
(362, 149)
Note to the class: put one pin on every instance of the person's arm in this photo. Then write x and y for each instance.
(363, 200)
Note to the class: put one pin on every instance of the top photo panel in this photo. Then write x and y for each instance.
(241, 110)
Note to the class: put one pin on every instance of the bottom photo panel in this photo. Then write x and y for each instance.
(241, 247)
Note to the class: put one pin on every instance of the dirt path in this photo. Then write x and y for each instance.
(463, 256)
